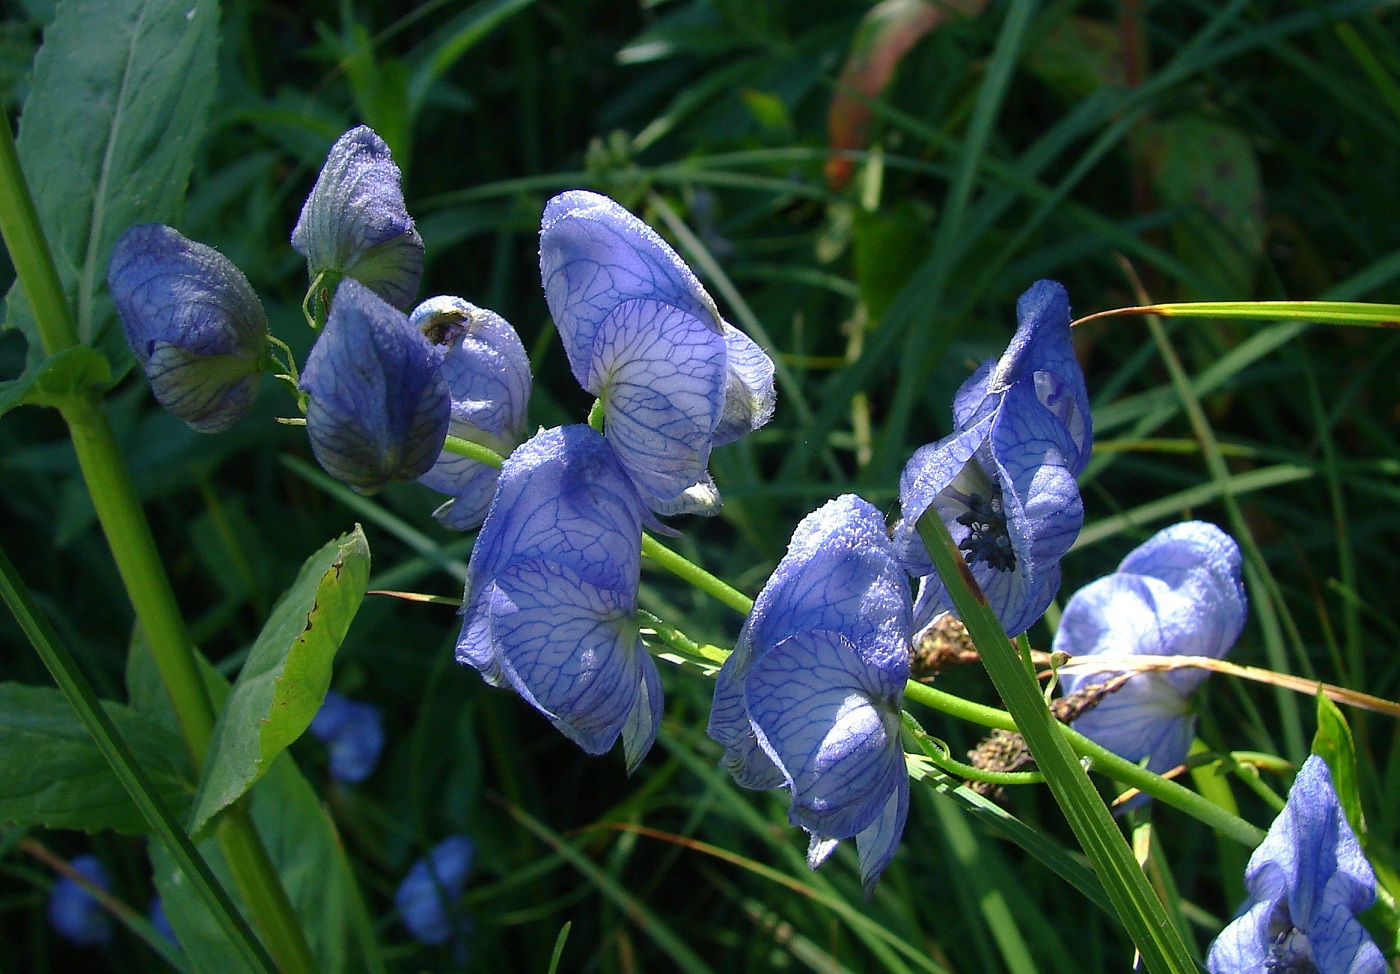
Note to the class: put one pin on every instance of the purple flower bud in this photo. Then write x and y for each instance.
(488, 375)
(355, 224)
(1307, 881)
(378, 407)
(194, 323)
(353, 733)
(74, 912)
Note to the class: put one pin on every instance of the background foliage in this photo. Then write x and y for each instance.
(1193, 150)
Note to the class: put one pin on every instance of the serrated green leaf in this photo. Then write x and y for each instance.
(120, 97)
(52, 774)
(1333, 744)
(56, 378)
(288, 671)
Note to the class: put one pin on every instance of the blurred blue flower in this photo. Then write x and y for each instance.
(74, 912)
(1307, 881)
(811, 695)
(551, 597)
(161, 922)
(644, 337)
(1177, 594)
(353, 733)
(428, 893)
(378, 406)
(355, 224)
(194, 323)
(488, 375)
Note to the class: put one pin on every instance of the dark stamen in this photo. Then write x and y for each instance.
(987, 540)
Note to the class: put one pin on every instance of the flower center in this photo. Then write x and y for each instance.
(987, 539)
(1290, 953)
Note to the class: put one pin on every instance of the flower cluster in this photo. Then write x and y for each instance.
(1177, 594)
(1003, 480)
(1307, 881)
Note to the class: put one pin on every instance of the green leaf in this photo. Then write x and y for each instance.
(53, 774)
(57, 378)
(120, 96)
(1333, 744)
(288, 671)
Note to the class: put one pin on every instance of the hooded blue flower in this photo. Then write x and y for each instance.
(74, 912)
(379, 407)
(1307, 882)
(194, 323)
(1003, 481)
(355, 224)
(488, 374)
(161, 922)
(426, 896)
(551, 597)
(811, 695)
(353, 733)
(1177, 594)
(644, 337)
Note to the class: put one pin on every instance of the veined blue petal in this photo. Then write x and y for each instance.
(831, 723)
(426, 896)
(488, 377)
(595, 255)
(194, 323)
(877, 842)
(1307, 881)
(749, 396)
(355, 223)
(660, 374)
(378, 408)
(571, 649)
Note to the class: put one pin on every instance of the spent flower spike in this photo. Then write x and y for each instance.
(550, 607)
(810, 698)
(1003, 481)
(353, 733)
(378, 407)
(642, 335)
(488, 376)
(432, 885)
(354, 222)
(74, 912)
(194, 323)
(1307, 881)
(1177, 594)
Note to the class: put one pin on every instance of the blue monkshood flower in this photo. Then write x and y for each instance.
(355, 224)
(550, 607)
(378, 406)
(426, 897)
(353, 733)
(161, 922)
(1307, 882)
(644, 337)
(811, 695)
(194, 323)
(488, 375)
(1003, 481)
(1177, 594)
(74, 912)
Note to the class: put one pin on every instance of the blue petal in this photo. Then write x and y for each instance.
(430, 887)
(378, 408)
(1243, 946)
(353, 733)
(877, 842)
(594, 255)
(194, 323)
(74, 912)
(749, 396)
(571, 649)
(660, 374)
(355, 223)
(831, 723)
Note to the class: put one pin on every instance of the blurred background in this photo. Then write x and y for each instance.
(866, 189)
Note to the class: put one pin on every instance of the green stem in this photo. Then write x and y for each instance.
(128, 770)
(1137, 905)
(133, 548)
(711, 585)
